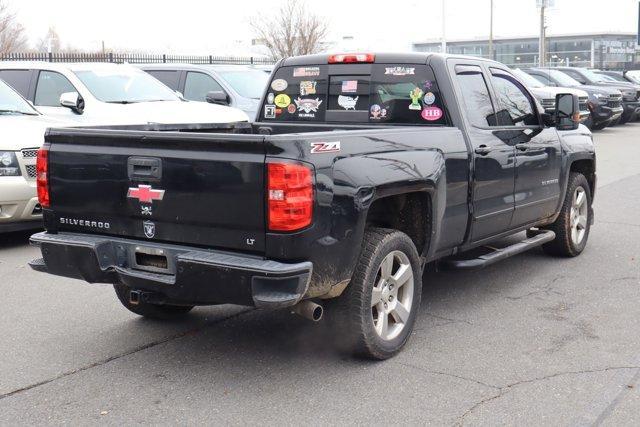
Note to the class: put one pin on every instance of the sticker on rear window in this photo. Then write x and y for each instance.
(431, 114)
(308, 87)
(400, 71)
(415, 95)
(350, 86)
(279, 85)
(269, 111)
(282, 100)
(307, 106)
(306, 71)
(429, 98)
(347, 102)
(377, 112)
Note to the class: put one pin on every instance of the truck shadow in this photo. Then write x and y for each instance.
(15, 239)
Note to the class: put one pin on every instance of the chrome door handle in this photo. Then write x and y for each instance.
(523, 147)
(483, 150)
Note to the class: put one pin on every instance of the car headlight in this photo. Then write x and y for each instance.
(9, 164)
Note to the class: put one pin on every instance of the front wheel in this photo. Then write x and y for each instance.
(574, 222)
(152, 311)
(379, 306)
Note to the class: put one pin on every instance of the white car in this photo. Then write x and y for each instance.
(107, 94)
(21, 135)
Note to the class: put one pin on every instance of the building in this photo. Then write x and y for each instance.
(596, 50)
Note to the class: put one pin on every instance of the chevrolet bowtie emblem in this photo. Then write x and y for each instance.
(145, 194)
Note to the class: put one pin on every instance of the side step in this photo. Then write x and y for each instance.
(498, 254)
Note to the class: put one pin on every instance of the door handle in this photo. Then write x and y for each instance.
(483, 150)
(523, 147)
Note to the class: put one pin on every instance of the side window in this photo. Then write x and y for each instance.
(514, 105)
(49, 88)
(169, 78)
(197, 85)
(475, 94)
(17, 79)
(575, 75)
(543, 79)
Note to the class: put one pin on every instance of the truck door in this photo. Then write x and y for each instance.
(493, 156)
(538, 154)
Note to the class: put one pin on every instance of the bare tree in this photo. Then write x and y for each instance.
(292, 30)
(12, 35)
(51, 41)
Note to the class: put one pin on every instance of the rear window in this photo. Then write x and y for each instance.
(372, 93)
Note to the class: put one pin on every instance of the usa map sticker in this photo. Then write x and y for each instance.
(348, 102)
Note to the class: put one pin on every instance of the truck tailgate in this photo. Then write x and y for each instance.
(194, 189)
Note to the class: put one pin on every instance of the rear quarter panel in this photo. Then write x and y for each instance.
(371, 164)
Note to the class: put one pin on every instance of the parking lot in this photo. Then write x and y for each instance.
(532, 340)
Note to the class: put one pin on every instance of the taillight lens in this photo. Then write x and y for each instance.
(42, 177)
(351, 58)
(289, 196)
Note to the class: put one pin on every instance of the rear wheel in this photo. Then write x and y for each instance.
(574, 222)
(379, 307)
(152, 311)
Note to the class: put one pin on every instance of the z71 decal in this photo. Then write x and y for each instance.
(325, 147)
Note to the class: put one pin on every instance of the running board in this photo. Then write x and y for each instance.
(499, 254)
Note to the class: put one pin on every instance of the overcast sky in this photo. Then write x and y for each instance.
(211, 27)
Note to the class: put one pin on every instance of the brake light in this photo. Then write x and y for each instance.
(290, 196)
(351, 58)
(42, 177)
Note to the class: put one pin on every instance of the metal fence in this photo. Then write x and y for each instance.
(134, 58)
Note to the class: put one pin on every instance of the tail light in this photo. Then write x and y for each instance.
(351, 58)
(290, 196)
(42, 176)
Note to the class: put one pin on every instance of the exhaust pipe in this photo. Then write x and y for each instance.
(309, 310)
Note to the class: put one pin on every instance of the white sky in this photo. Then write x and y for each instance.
(221, 27)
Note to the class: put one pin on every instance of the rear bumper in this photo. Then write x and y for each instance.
(193, 276)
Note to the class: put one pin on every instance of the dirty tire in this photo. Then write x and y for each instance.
(152, 311)
(353, 312)
(564, 244)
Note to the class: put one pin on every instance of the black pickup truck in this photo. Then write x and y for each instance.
(360, 170)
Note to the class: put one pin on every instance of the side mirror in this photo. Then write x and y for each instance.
(567, 113)
(217, 97)
(72, 100)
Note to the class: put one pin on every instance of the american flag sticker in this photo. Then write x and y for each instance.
(349, 86)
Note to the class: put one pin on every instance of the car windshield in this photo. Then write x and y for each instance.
(594, 77)
(125, 86)
(528, 80)
(248, 83)
(12, 103)
(562, 79)
(634, 75)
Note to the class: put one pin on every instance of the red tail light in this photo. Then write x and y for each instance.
(42, 177)
(289, 195)
(350, 58)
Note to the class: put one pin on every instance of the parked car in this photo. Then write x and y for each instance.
(355, 175)
(239, 86)
(22, 130)
(546, 95)
(630, 91)
(619, 76)
(605, 104)
(99, 93)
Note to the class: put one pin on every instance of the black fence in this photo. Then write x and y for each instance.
(134, 58)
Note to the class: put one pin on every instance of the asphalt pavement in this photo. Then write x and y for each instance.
(532, 340)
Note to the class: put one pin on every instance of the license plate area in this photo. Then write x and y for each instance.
(152, 259)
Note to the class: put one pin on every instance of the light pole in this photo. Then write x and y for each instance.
(490, 29)
(543, 4)
(443, 46)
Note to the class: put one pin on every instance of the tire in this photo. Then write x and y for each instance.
(599, 126)
(574, 222)
(359, 321)
(151, 311)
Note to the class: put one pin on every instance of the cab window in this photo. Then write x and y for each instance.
(49, 88)
(475, 95)
(514, 106)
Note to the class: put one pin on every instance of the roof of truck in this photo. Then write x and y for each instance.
(380, 58)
